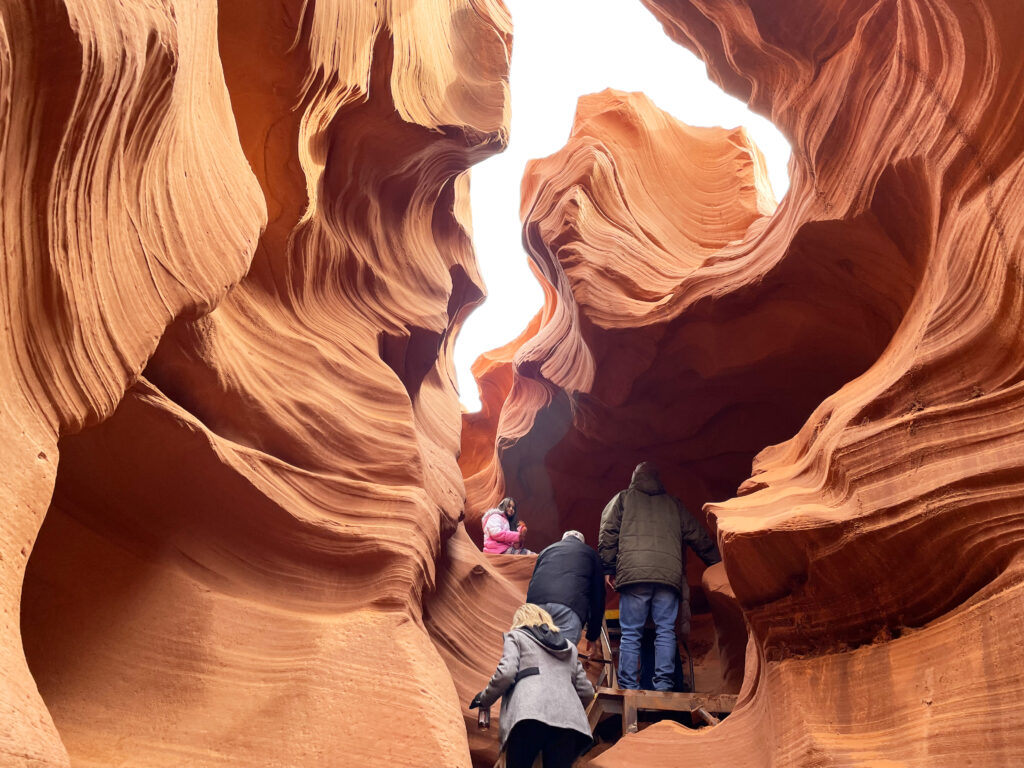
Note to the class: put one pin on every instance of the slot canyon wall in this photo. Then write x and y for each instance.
(837, 384)
(237, 251)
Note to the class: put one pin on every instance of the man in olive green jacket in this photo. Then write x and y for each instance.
(643, 530)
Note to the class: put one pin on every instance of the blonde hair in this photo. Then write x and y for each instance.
(530, 615)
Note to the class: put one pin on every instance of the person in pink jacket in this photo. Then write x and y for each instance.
(503, 533)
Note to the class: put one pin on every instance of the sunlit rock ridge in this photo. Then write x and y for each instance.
(836, 384)
(237, 252)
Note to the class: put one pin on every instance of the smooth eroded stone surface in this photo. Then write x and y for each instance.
(237, 249)
(476, 596)
(839, 383)
(233, 566)
(126, 202)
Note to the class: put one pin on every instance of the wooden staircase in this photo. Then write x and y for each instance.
(612, 700)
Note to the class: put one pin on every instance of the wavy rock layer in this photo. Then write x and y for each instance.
(253, 554)
(880, 308)
(614, 228)
(127, 202)
(233, 566)
(475, 598)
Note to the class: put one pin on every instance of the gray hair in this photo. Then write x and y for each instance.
(575, 535)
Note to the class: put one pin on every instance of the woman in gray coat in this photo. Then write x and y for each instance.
(544, 692)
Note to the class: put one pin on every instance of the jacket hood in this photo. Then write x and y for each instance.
(549, 640)
(489, 512)
(645, 478)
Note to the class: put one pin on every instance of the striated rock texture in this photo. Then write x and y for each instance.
(624, 241)
(127, 202)
(614, 226)
(233, 564)
(862, 344)
(236, 248)
(475, 598)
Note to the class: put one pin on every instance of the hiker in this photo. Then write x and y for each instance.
(643, 530)
(568, 583)
(543, 691)
(503, 533)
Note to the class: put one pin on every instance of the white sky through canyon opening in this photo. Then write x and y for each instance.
(563, 49)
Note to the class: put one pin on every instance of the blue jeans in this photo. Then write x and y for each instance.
(569, 624)
(636, 601)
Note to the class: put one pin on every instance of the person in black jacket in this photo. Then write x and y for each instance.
(568, 583)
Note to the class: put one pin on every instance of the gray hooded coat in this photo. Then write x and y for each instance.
(552, 686)
(644, 532)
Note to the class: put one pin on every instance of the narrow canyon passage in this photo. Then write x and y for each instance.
(698, 389)
(243, 501)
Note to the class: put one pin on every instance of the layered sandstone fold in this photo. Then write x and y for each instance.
(127, 202)
(615, 230)
(236, 250)
(863, 341)
(472, 606)
(233, 565)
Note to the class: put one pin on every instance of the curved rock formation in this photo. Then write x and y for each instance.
(127, 202)
(236, 245)
(874, 550)
(233, 565)
(613, 231)
(473, 604)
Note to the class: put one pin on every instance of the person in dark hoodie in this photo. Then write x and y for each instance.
(568, 583)
(641, 545)
(544, 692)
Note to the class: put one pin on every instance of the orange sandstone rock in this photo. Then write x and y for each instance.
(127, 202)
(473, 604)
(236, 243)
(625, 245)
(839, 383)
(233, 566)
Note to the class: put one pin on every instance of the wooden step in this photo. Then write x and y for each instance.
(629, 702)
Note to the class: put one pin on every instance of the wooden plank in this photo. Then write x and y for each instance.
(706, 716)
(628, 703)
(629, 708)
(603, 704)
(606, 651)
(677, 702)
(594, 713)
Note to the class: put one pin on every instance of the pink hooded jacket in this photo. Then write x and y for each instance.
(498, 538)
